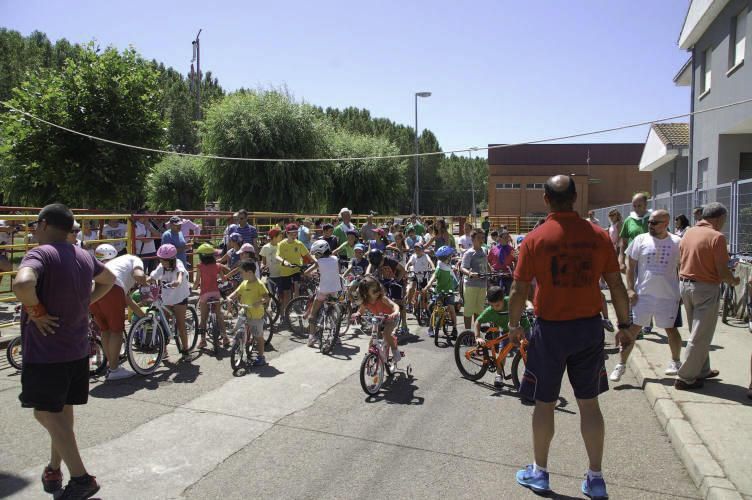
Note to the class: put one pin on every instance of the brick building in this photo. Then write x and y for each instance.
(516, 175)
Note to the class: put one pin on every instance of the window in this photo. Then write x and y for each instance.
(738, 39)
(745, 166)
(705, 77)
(535, 186)
(702, 173)
(508, 185)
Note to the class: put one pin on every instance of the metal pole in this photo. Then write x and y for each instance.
(472, 188)
(198, 73)
(417, 161)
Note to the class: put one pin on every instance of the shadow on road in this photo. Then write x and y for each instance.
(714, 387)
(400, 389)
(10, 483)
(184, 373)
(344, 352)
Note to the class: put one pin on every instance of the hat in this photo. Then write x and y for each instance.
(418, 245)
(345, 209)
(236, 237)
(360, 247)
(291, 227)
(76, 226)
(273, 232)
(379, 231)
(176, 220)
(247, 248)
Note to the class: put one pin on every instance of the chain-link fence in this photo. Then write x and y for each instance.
(744, 217)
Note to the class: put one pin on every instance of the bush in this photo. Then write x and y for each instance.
(176, 182)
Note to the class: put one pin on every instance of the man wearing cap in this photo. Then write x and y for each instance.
(188, 227)
(341, 230)
(174, 236)
(290, 253)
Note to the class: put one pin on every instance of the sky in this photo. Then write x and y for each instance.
(499, 71)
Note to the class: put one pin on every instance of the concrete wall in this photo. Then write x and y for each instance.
(725, 89)
(662, 177)
(729, 149)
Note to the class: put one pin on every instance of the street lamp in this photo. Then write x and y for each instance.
(417, 152)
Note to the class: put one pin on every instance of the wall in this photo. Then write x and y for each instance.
(662, 175)
(729, 149)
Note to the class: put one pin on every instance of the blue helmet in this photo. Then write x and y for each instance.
(445, 251)
(519, 239)
(360, 246)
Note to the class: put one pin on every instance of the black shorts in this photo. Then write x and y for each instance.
(393, 289)
(51, 386)
(285, 283)
(575, 346)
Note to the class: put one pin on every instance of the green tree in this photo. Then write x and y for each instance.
(453, 194)
(176, 182)
(112, 95)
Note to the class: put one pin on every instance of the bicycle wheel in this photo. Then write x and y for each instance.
(213, 328)
(97, 359)
(435, 325)
(330, 330)
(238, 352)
(191, 326)
(470, 358)
(518, 370)
(344, 310)
(294, 313)
(14, 353)
(371, 374)
(421, 314)
(728, 303)
(146, 347)
(272, 309)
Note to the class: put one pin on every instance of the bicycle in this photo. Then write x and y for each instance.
(728, 293)
(242, 350)
(148, 337)
(377, 360)
(440, 318)
(473, 359)
(213, 326)
(420, 309)
(328, 319)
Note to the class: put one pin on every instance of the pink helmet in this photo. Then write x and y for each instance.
(247, 248)
(167, 251)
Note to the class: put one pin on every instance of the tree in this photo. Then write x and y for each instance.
(453, 193)
(176, 182)
(112, 95)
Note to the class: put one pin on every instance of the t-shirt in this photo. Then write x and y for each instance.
(304, 236)
(445, 281)
(250, 292)
(5, 236)
(477, 262)
(486, 226)
(188, 227)
(412, 240)
(703, 252)
(466, 242)
(333, 242)
(292, 253)
(172, 296)
(634, 226)
(209, 274)
(248, 232)
(501, 257)
(500, 318)
(122, 267)
(567, 256)
(657, 265)
(367, 231)
(329, 281)
(389, 268)
(419, 264)
(341, 231)
(269, 252)
(144, 246)
(348, 251)
(376, 245)
(88, 236)
(177, 239)
(110, 232)
(420, 229)
(64, 273)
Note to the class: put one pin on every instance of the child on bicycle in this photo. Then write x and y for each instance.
(421, 266)
(209, 271)
(330, 282)
(446, 284)
(171, 270)
(376, 302)
(231, 258)
(253, 294)
(497, 313)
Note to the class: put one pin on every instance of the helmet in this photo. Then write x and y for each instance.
(247, 248)
(444, 251)
(320, 247)
(519, 239)
(232, 228)
(379, 231)
(167, 251)
(236, 237)
(105, 251)
(205, 249)
(375, 257)
(360, 247)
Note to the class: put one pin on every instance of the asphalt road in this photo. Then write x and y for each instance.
(303, 428)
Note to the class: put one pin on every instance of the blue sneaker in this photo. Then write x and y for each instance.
(594, 488)
(260, 361)
(536, 481)
(430, 333)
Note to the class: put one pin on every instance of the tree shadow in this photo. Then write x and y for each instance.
(10, 483)
(714, 387)
(399, 389)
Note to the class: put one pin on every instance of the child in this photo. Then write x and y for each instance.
(446, 283)
(231, 259)
(206, 277)
(175, 297)
(359, 263)
(253, 294)
(329, 237)
(247, 254)
(330, 282)
(421, 266)
(376, 302)
(497, 313)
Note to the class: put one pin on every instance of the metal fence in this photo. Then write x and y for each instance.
(736, 196)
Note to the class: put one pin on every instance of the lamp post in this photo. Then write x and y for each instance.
(417, 152)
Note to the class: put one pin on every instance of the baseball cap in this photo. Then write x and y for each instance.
(273, 232)
(176, 220)
(291, 227)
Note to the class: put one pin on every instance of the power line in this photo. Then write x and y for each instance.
(385, 157)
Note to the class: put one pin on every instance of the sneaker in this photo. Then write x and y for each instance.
(260, 361)
(311, 341)
(430, 333)
(80, 490)
(536, 481)
(498, 381)
(647, 329)
(681, 385)
(617, 373)
(119, 373)
(608, 325)
(673, 368)
(185, 357)
(594, 488)
(52, 480)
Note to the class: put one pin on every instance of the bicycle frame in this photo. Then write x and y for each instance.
(499, 357)
(377, 345)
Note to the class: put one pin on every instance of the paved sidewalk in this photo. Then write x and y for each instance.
(711, 428)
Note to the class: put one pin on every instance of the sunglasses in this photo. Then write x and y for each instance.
(654, 222)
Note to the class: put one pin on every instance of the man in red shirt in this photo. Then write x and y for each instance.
(567, 257)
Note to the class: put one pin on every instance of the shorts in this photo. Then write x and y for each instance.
(256, 327)
(575, 346)
(109, 311)
(51, 386)
(283, 283)
(206, 297)
(447, 299)
(393, 289)
(662, 311)
(475, 300)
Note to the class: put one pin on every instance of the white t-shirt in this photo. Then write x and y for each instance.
(420, 264)
(109, 232)
(144, 246)
(189, 227)
(172, 296)
(330, 281)
(269, 252)
(4, 237)
(657, 265)
(466, 242)
(122, 267)
(91, 235)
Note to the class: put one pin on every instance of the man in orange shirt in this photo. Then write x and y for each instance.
(704, 265)
(567, 256)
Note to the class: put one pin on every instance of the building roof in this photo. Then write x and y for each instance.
(700, 15)
(684, 77)
(673, 134)
(567, 154)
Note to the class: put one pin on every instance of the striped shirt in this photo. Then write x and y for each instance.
(249, 233)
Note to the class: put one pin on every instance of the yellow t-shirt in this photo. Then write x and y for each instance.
(250, 292)
(292, 253)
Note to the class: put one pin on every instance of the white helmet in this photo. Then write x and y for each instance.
(105, 251)
(319, 247)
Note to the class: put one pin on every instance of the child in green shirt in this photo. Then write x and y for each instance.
(446, 283)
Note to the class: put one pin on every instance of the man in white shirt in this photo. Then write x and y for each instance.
(653, 287)
(147, 231)
(466, 240)
(188, 227)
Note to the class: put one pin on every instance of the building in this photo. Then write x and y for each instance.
(605, 174)
(718, 35)
(666, 155)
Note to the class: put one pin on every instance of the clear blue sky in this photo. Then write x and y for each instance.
(500, 71)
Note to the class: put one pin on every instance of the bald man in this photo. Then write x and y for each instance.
(633, 226)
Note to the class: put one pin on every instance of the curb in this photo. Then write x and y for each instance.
(703, 468)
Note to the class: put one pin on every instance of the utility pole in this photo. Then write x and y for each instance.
(417, 162)
(197, 58)
(472, 188)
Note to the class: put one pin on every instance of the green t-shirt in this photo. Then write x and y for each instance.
(445, 282)
(420, 229)
(632, 228)
(500, 318)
